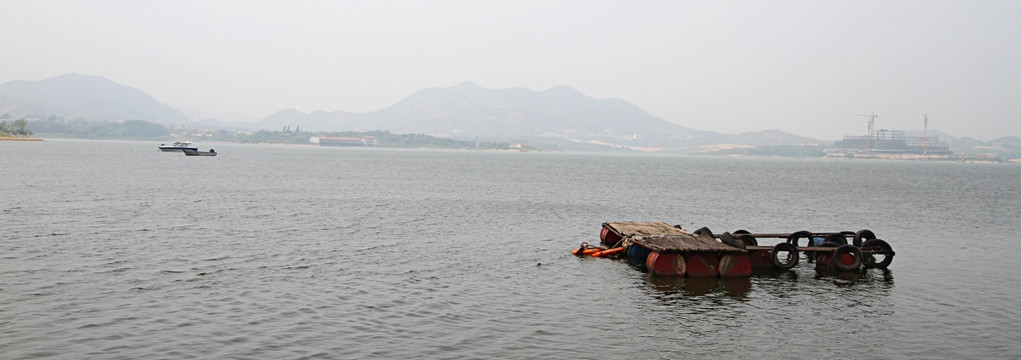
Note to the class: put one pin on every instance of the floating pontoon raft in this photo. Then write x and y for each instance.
(671, 251)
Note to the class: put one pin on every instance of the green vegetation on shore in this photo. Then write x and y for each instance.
(14, 128)
(144, 130)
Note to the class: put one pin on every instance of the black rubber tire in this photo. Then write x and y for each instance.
(876, 244)
(850, 249)
(741, 232)
(862, 236)
(747, 240)
(729, 239)
(792, 260)
(835, 238)
(794, 237)
(704, 231)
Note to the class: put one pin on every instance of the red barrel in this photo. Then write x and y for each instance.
(824, 262)
(665, 264)
(702, 265)
(847, 260)
(609, 238)
(762, 259)
(735, 265)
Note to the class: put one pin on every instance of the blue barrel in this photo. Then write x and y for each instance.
(816, 241)
(638, 253)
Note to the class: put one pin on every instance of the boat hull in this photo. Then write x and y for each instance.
(177, 148)
(199, 153)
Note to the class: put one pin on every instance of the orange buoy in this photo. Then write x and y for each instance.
(665, 264)
(735, 265)
(585, 251)
(702, 265)
(609, 252)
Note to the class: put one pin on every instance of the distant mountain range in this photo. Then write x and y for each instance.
(559, 115)
(87, 97)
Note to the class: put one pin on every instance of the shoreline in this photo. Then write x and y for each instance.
(20, 139)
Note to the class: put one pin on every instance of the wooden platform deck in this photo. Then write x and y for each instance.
(625, 228)
(684, 243)
(661, 237)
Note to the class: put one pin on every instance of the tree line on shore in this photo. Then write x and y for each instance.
(144, 130)
(15, 128)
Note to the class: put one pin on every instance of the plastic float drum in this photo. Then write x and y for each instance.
(665, 264)
(762, 259)
(847, 258)
(734, 266)
(836, 238)
(638, 253)
(702, 265)
(824, 260)
(609, 238)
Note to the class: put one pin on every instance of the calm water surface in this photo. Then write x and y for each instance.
(112, 250)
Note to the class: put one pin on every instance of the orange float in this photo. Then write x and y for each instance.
(586, 251)
(609, 252)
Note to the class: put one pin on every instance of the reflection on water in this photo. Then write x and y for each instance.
(739, 288)
(736, 288)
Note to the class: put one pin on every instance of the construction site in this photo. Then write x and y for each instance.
(877, 143)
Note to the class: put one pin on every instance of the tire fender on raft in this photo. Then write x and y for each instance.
(861, 236)
(877, 245)
(847, 258)
(788, 261)
(729, 239)
(704, 231)
(747, 240)
(797, 235)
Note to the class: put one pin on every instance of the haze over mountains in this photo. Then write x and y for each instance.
(465, 111)
(87, 97)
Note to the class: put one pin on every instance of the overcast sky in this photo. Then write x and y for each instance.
(806, 67)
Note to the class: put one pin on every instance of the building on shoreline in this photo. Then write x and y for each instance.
(343, 141)
(891, 142)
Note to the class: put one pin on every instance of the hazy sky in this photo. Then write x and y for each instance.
(806, 67)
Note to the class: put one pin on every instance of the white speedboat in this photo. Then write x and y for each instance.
(178, 146)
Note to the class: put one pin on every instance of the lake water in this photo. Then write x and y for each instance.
(112, 250)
